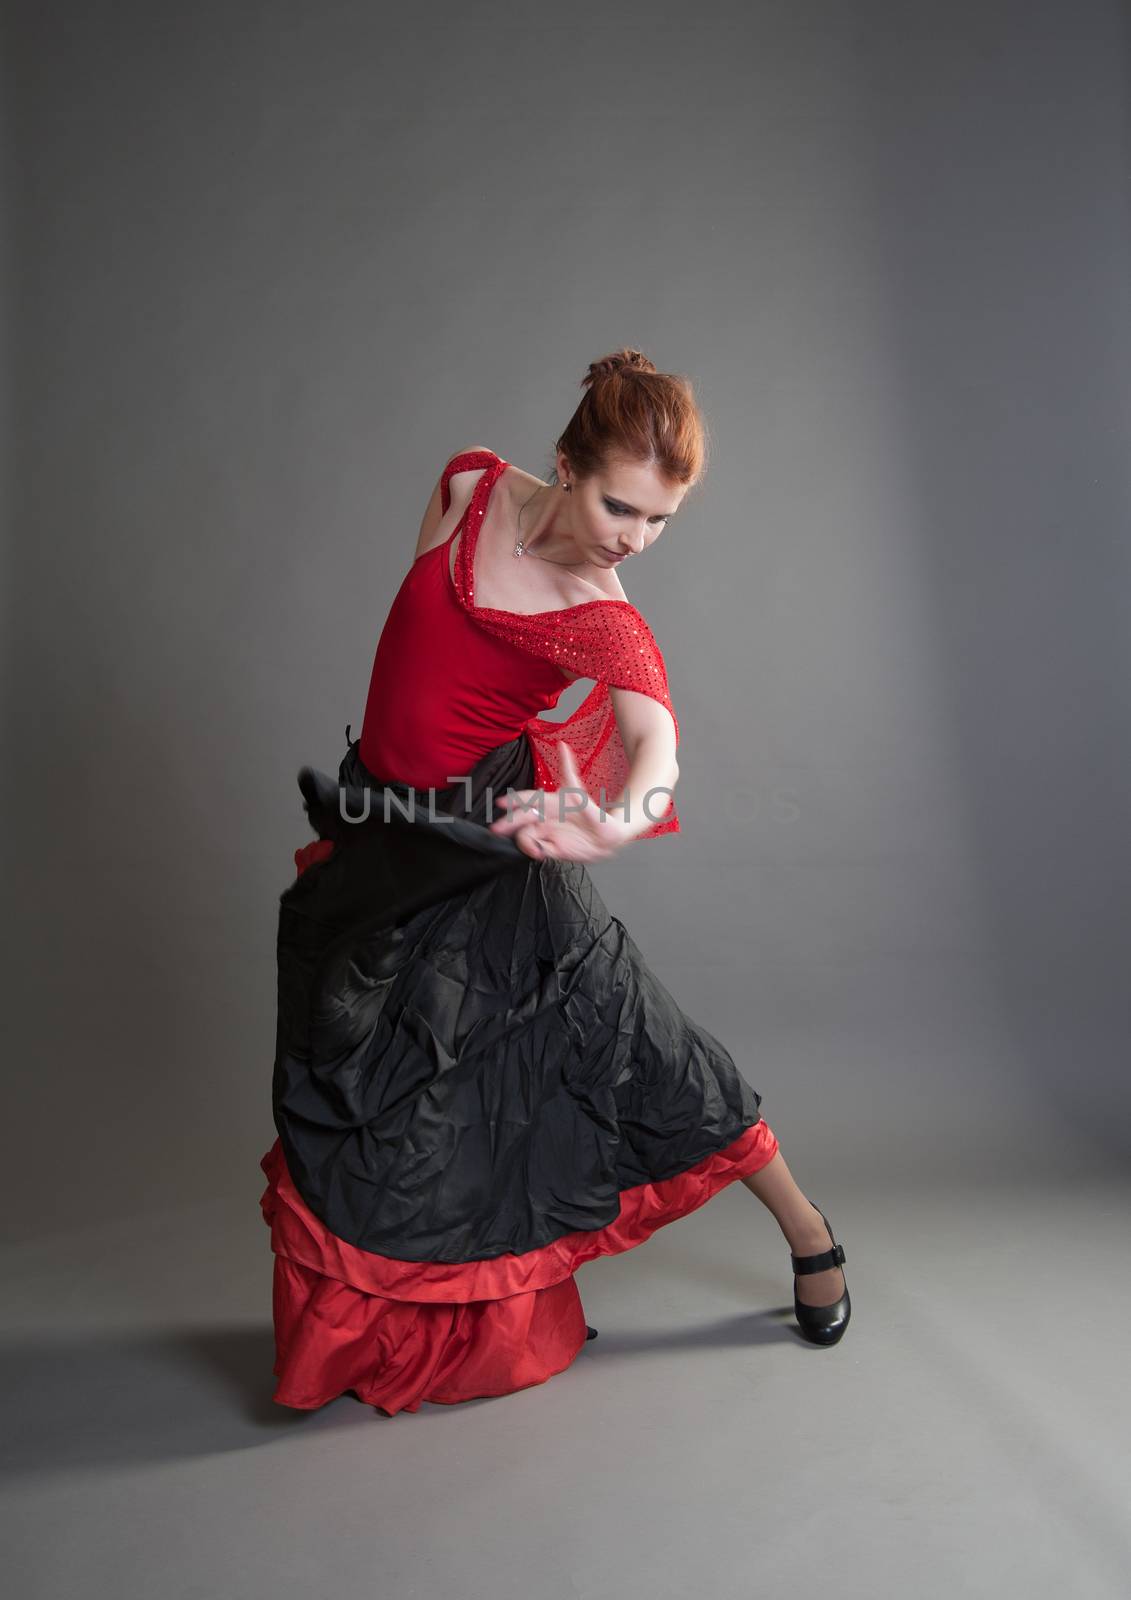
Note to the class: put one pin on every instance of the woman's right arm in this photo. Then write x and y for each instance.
(434, 515)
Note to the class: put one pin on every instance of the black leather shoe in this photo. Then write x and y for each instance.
(590, 1333)
(821, 1324)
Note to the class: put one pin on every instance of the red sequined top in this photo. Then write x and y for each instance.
(451, 680)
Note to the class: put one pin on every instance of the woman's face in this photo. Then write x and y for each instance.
(620, 510)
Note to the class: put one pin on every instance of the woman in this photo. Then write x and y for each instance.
(479, 1084)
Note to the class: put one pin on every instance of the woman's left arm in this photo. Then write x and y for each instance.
(648, 735)
(581, 833)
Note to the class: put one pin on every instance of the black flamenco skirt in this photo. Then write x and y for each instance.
(478, 1086)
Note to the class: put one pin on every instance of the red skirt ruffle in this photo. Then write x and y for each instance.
(397, 1333)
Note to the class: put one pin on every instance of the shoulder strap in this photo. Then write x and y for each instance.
(467, 461)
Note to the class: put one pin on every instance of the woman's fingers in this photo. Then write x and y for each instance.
(519, 810)
(540, 832)
(510, 823)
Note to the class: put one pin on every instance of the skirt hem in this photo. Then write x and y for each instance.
(298, 1234)
(396, 1351)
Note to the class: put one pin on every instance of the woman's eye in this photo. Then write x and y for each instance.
(620, 511)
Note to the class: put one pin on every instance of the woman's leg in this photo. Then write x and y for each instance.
(800, 1222)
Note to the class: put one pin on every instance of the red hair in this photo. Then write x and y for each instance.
(630, 410)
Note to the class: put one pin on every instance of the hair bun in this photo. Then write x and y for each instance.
(619, 361)
(631, 412)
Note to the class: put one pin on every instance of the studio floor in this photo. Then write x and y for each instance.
(967, 1437)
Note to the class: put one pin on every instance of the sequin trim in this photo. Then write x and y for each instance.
(607, 640)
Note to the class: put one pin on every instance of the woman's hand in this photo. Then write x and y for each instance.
(580, 835)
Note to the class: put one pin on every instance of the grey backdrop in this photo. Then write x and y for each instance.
(266, 267)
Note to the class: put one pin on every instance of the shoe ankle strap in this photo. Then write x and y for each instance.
(819, 1263)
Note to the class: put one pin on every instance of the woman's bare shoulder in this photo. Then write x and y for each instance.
(459, 482)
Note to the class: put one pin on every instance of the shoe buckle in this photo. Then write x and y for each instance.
(823, 1261)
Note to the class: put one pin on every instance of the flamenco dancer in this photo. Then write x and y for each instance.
(479, 1085)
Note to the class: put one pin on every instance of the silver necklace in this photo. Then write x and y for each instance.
(521, 548)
